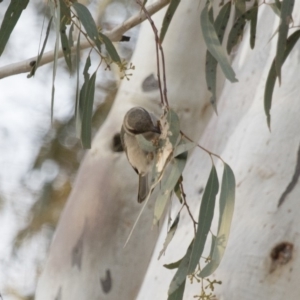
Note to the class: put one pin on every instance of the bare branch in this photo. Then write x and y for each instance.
(114, 35)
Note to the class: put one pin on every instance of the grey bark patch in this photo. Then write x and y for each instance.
(150, 84)
(77, 250)
(293, 182)
(106, 283)
(59, 293)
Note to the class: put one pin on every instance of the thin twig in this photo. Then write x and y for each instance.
(187, 206)
(114, 35)
(163, 92)
(204, 149)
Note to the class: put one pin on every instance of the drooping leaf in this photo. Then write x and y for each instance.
(227, 198)
(86, 133)
(77, 99)
(173, 265)
(174, 129)
(183, 146)
(10, 20)
(65, 18)
(285, 16)
(240, 7)
(88, 23)
(177, 190)
(205, 218)
(182, 272)
(110, 48)
(214, 46)
(253, 24)
(206, 271)
(70, 37)
(211, 63)
(178, 294)
(168, 186)
(275, 9)
(170, 235)
(40, 55)
(270, 83)
(82, 97)
(168, 18)
(56, 18)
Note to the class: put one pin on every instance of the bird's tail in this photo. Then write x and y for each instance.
(143, 188)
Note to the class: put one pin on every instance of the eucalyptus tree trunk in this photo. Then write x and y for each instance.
(261, 260)
(87, 259)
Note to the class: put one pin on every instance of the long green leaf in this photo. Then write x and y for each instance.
(170, 235)
(227, 199)
(240, 7)
(40, 55)
(168, 186)
(285, 16)
(10, 20)
(214, 46)
(56, 18)
(270, 83)
(64, 20)
(77, 99)
(173, 265)
(205, 218)
(110, 48)
(178, 294)
(253, 24)
(168, 18)
(88, 22)
(182, 272)
(86, 135)
(211, 63)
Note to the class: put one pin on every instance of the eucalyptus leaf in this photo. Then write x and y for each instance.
(56, 18)
(77, 99)
(168, 18)
(205, 218)
(170, 235)
(65, 19)
(40, 55)
(214, 46)
(88, 23)
(168, 186)
(10, 20)
(173, 265)
(183, 146)
(253, 24)
(286, 17)
(178, 294)
(211, 63)
(86, 133)
(182, 271)
(110, 48)
(271, 79)
(227, 198)
(240, 7)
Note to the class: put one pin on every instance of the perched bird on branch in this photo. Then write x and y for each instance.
(139, 128)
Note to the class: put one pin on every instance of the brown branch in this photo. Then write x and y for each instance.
(114, 35)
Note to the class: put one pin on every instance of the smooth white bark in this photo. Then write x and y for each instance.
(264, 163)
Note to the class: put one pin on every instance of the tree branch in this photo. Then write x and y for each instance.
(114, 35)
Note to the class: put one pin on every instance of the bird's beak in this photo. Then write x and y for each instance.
(156, 129)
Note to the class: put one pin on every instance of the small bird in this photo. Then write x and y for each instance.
(139, 121)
